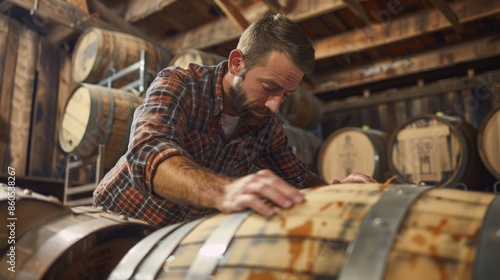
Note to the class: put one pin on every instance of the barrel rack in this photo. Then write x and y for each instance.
(82, 194)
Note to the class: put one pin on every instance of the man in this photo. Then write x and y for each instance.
(201, 130)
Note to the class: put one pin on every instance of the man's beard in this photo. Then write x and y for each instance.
(249, 111)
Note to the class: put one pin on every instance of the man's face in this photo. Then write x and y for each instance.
(259, 92)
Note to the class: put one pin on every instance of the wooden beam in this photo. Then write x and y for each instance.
(22, 100)
(404, 28)
(9, 44)
(140, 9)
(308, 9)
(387, 69)
(5, 6)
(448, 12)
(232, 12)
(60, 12)
(43, 122)
(111, 17)
(274, 6)
(80, 4)
(61, 33)
(486, 80)
(357, 9)
(221, 30)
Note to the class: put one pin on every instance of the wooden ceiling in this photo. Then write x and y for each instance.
(361, 45)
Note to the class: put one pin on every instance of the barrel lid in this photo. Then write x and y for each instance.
(85, 54)
(182, 59)
(488, 142)
(75, 119)
(428, 148)
(345, 151)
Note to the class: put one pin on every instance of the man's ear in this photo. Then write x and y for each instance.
(235, 62)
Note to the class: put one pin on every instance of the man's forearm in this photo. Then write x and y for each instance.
(181, 180)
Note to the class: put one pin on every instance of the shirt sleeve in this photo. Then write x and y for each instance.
(158, 127)
(279, 157)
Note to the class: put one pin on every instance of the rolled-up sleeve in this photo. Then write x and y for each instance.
(158, 128)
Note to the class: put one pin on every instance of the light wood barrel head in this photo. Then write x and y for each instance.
(429, 149)
(185, 57)
(86, 54)
(345, 152)
(75, 119)
(489, 143)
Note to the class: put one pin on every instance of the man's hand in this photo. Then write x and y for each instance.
(354, 178)
(253, 190)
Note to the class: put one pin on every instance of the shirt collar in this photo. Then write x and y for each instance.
(218, 90)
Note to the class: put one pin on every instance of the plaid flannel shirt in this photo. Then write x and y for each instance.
(181, 115)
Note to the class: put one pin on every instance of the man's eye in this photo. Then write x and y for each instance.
(268, 89)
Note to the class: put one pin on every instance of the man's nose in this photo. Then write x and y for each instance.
(274, 102)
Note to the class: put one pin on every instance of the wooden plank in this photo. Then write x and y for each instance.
(274, 6)
(44, 111)
(66, 86)
(4, 41)
(446, 57)
(56, 11)
(11, 44)
(221, 30)
(397, 99)
(61, 12)
(404, 28)
(61, 33)
(449, 14)
(5, 6)
(304, 10)
(139, 9)
(114, 19)
(357, 9)
(20, 120)
(233, 14)
(80, 4)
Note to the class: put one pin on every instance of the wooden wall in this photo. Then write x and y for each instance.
(470, 98)
(35, 83)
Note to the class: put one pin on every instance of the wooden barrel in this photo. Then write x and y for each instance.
(488, 142)
(436, 150)
(304, 144)
(345, 231)
(302, 109)
(184, 57)
(27, 210)
(97, 115)
(77, 243)
(353, 149)
(99, 52)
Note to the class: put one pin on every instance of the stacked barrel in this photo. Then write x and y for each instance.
(95, 114)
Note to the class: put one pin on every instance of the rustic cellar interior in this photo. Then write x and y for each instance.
(406, 91)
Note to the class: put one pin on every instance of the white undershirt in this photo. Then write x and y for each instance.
(229, 123)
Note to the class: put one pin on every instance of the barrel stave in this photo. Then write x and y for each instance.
(100, 53)
(439, 233)
(353, 149)
(109, 113)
